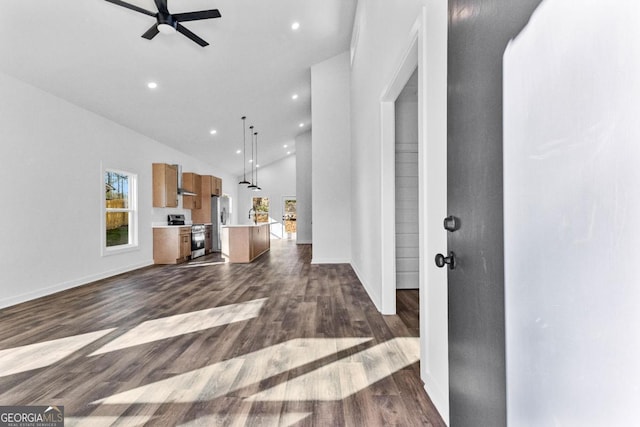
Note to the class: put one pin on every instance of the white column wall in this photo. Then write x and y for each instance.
(304, 188)
(331, 160)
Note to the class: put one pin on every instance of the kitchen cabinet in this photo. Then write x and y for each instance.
(171, 245)
(203, 215)
(192, 182)
(165, 185)
(216, 186)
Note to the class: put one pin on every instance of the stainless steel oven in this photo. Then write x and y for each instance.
(197, 240)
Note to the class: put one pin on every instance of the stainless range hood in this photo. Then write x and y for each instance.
(181, 190)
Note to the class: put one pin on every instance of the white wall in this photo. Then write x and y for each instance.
(53, 190)
(383, 31)
(304, 188)
(331, 178)
(572, 235)
(380, 47)
(277, 180)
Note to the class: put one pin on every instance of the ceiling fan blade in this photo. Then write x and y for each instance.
(151, 32)
(132, 7)
(192, 36)
(195, 16)
(162, 6)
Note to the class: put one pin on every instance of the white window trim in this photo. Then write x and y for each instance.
(133, 217)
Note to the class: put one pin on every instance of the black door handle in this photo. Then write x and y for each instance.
(441, 260)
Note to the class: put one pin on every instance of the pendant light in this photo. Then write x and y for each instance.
(253, 162)
(257, 188)
(244, 153)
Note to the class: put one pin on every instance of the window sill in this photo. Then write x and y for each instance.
(116, 250)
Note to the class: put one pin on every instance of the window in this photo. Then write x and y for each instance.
(261, 206)
(120, 214)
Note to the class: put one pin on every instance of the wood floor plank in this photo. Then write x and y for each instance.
(277, 342)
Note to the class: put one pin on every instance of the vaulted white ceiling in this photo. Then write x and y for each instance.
(90, 53)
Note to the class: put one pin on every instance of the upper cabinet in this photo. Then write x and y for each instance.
(203, 215)
(192, 182)
(165, 185)
(216, 186)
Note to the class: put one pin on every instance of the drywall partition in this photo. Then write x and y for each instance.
(303, 188)
(54, 154)
(331, 157)
(277, 180)
(572, 236)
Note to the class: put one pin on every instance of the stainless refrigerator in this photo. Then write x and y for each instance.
(220, 210)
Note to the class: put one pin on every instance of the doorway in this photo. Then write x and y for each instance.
(289, 217)
(406, 221)
(425, 54)
(407, 187)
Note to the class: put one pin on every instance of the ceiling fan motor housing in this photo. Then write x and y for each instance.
(166, 23)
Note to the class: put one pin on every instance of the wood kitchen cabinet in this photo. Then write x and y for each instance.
(165, 185)
(216, 186)
(171, 245)
(192, 182)
(203, 215)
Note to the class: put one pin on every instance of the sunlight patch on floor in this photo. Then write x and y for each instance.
(38, 355)
(281, 420)
(180, 324)
(347, 376)
(202, 264)
(224, 377)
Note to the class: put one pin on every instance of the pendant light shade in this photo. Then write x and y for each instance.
(244, 154)
(253, 161)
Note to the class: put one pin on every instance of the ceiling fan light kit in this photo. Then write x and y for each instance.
(167, 23)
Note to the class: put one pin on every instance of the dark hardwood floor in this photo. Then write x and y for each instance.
(408, 309)
(278, 342)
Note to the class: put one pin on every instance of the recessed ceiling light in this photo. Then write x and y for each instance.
(294, 96)
(250, 160)
(285, 146)
(288, 152)
(152, 85)
(238, 151)
(257, 166)
(301, 125)
(213, 132)
(295, 26)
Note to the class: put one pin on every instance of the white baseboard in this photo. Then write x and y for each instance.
(330, 261)
(28, 296)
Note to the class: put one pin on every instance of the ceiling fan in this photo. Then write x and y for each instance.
(168, 23)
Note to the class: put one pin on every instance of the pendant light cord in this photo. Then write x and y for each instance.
(256, 161)
(244, 149)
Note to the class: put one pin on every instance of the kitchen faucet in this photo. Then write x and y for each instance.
(252, 212)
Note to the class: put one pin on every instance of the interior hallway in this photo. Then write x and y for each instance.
(278, 342)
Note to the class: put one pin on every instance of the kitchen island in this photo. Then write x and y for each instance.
(244, 243)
